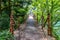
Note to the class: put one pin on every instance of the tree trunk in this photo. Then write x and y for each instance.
(11, 18)
(49, 25)
(11, 23)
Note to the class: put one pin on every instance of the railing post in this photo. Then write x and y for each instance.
(11, 23)
(11, 18)
(49, 25)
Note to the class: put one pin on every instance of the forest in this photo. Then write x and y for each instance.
(15, 12)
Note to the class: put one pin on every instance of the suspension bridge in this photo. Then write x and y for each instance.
(29, 31)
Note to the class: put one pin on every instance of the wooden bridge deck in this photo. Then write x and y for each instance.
(31, 34)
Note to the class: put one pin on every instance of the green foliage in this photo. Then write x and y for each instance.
(56, 33)
(20, 12)
(6, 35)
(20, 19)
(48, 6)
(21, 7)
(4, 22)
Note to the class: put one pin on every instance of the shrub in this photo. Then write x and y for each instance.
(6, 35)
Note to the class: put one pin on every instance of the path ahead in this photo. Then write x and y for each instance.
(30, 32)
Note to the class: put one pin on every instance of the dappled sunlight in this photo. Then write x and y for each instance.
(30, 17)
